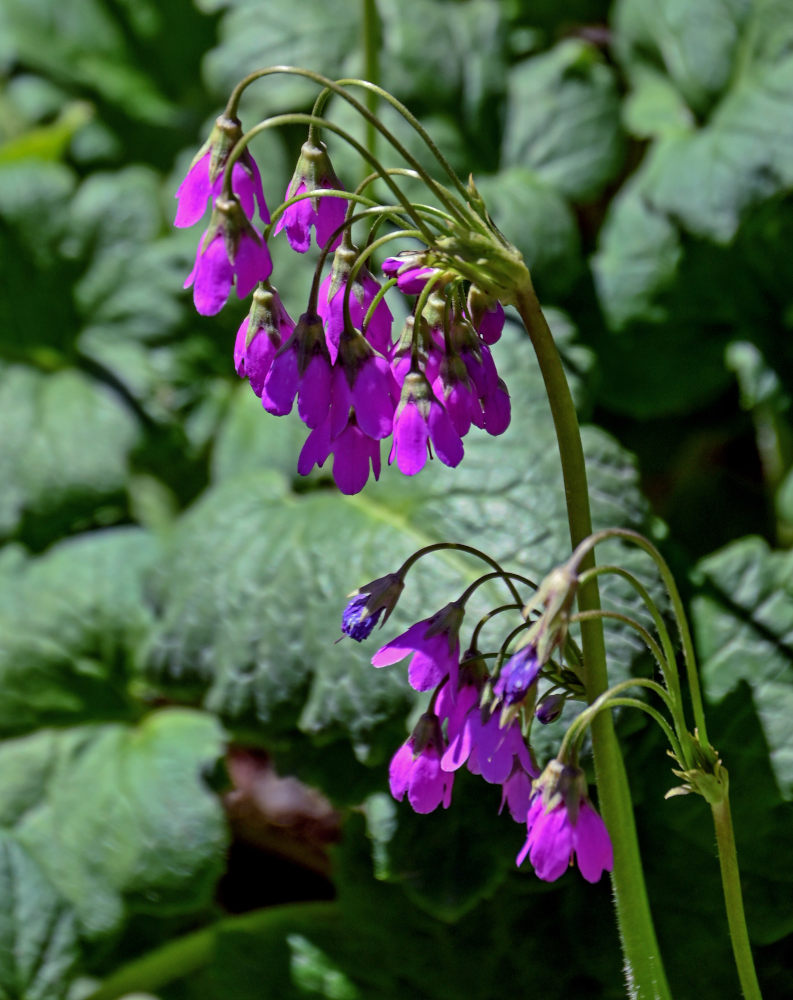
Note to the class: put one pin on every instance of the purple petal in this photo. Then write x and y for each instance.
(340, 402)
(399, 648)
(427, 782)
(497, 410)
(315, 450)
(410, 440)
(448, 446)
(259, 357)
(551, 844)
(371, 395)
(239, 348)
(212, 276)
(351, 461)
(329, 216)
(193, 193)
(313, 399)
(492, 324)
(399, 771)
(280, 386)
(252, 264)
(593, 844)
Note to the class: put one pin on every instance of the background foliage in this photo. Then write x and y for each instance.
(170, 592)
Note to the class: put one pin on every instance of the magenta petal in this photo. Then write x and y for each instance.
(497, 410)
(259, 357)
(399, 648)
(491, 324)
(551, 844)
(313, 398)
(315, 450)
(427, 781)
(399, 771)
(193, 193)
(330, 215)
(239, 348)
(459, 749)
(448, 445)
(410, 440)
(374, 405)
(426, 671)
(516, 794)
(280, 386)
(593, 845)
(351, 461)
(297, 222)
(252, 264)
(212, 278)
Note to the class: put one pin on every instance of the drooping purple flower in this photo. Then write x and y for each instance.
(362, 291)
(487, 314)
(487, 747)
(410, 272)
(352, 450)
(415, 768)
(260, 336)
(550, 708)
(230, 251)
(420, 418)
(433, 646)
(314, 173)
(367, 604)
(562, 824)
(301, 368)
(516, 794)
(517, 675)
(362, 381)
(453, 388)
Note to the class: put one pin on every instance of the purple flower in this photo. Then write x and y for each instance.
(231, 250)
(487, 314)
(362, 381)
(488, 748)
(516, 794)
(550, 708)
(453, 388)
(301, 368)
(369, 602)
(361, 295)
(517, 675)
(433, 646)
(260, 336)
(204, 179)
(563, 824)
(410, 273)
(416, 769)
(419, 419)
(352, 452)
(314, 173)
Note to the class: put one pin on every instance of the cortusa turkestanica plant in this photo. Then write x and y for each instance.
(358, 381)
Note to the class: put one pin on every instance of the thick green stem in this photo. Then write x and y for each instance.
(643, 965)
(733, 901)
(370, 29)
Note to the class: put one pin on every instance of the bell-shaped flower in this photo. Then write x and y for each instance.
(314, 173)
(420, 419)
(367, 604)
(415, 768)
(352, 450)
(359, 292)
(433, 645)
(517, 675)
(487, 314)
(562, 824)
(301, 368)
(230, 251)
(410, 271)
(204, 179)
(260, 336)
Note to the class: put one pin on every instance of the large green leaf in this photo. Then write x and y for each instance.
(38, 939)
(563, 119)
(254, 578)
(743, 615)
(69, 625)
(66, 445)
(119, 817)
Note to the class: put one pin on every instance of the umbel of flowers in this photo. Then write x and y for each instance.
(357, 379)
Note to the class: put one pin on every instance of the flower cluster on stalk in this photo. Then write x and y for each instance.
(357, 380)
(479, 717)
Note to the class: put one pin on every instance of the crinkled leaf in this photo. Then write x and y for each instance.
(38, 938)
(253, 584)
(66, 444)
(743, 613)
(563, 119)
(70, 621)
(120, 817)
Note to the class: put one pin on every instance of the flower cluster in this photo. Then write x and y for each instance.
(356, 383)
(477, 720)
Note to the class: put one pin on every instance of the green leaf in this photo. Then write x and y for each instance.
(70, 621)
(696, 44)
(66, 445)
(38, 939)
(743, 614)
(563, 120)
(253, 582)
(150, 834)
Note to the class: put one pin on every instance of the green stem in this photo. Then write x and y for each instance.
(370, 30)
(643, 965)
(733, 901)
